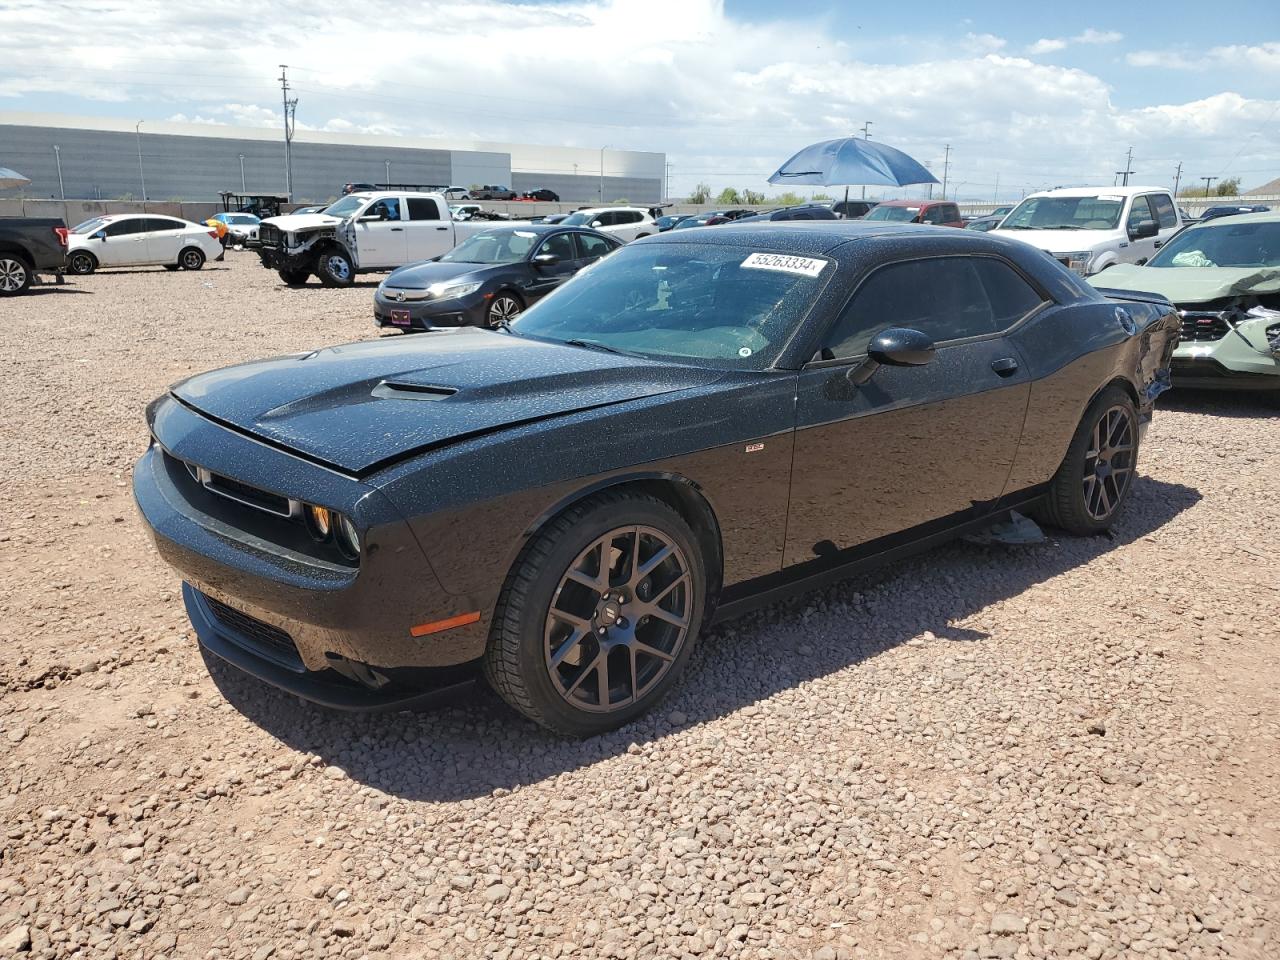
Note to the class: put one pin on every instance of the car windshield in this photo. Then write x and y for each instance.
(90, 226)
(892, 214)
(578, 219)
(1226, 244)
(1100, 212)
(496, 246)
(346, 206)
(725, 307)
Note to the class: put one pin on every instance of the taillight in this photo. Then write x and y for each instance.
(62, 233)
(214, 234)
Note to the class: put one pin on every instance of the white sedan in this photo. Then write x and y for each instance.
(130, 240)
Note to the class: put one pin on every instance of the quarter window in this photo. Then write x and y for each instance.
(947, 298)
(422, 208)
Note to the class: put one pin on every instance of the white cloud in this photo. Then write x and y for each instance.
(1089, 36)
(1047, 46)
(726, 99)
(1262, 57)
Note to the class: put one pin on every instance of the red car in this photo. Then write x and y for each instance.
(942, 213)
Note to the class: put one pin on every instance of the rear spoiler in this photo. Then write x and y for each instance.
(1134, 296)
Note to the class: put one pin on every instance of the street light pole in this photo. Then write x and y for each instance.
(243, 188)
(137, 132)
(57, 158)
(387, 163)
(602, 150)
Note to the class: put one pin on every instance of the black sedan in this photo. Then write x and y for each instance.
(805, 211)
(489, 278)
(543, 194)
(697, 424)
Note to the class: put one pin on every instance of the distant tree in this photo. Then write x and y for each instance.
(752, 198)
(474, 186)
(818, 197)
(790, 199)
(728, 195)
(701, 193)
(1229, 187)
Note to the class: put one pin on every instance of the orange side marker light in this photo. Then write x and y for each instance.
(436, 626)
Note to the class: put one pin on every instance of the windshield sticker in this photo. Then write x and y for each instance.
(1110, 199)
(744, 352)
(804, 266)
(524, 233)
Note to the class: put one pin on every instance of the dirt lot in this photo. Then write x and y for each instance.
(1068, 750)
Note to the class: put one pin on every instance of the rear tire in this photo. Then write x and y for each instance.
(335, 269)
(1089, 490)
(82, 263)
(192, 258)
(15, 275)
(561, 635)
(294, 278)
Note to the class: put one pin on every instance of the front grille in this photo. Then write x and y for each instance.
(266, 640)
(268, 235)
(249, 496)
(1202, 326)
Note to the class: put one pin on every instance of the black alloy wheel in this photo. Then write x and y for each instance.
(191, 258)
(1109, 459)
(599, 616)
(503, 308)
(82, 263)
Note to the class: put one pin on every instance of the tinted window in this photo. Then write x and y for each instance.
(630, 216)
(944, 298)
(120, 228)
(606, 219)
(162, 223)
(1012, 298)
(936, 214)
(421, 208)
(1164, 210)
(388, 208)
(593, 247)
(1141, 210)
(560, 244)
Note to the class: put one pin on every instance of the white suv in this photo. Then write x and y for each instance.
(625, 223)
(1092, 228)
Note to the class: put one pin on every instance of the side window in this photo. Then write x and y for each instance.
(423, 208)
(634, 216)
(162, 223)
(388, 208)
(942, 297)
(121, 228)
(607, 218)
(593, 247)
(952, 214)
(1012, 298)
(561, 244)
(1141, 210)
(1166, 215)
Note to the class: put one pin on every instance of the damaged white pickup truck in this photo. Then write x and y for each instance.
(362, 232)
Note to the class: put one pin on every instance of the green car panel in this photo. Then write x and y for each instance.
(1222, 346)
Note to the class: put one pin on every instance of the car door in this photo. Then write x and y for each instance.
(125, 243)
(546, 277)
(591, 248)
(428, 232)
(164, 239)
(380, 234)
(1139, 249)
(912, 445)
(1166, 218)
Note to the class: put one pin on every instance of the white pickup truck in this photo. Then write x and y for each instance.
(360, 233)
(1091, 228)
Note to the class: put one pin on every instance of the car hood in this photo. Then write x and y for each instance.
(362, 406)
(419, 276)
(292, 222)
(1192, 284)
(1061, 241)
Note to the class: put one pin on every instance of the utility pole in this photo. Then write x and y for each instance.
(1207, 182)
(1128, 168)
(666, 190)
(946, 167)
(995, 197)
(243, 188)
(387, 164)
(290, 109)
(57, 158)
(866, 135)
(137, 132)
(1177, 178)
(602, 150)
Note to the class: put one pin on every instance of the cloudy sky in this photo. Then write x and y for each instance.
(1027, 95)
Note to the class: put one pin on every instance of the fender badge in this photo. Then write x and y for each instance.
(754, 447)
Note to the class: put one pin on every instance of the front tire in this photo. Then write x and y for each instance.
(598, 619)
(82, 263)
(1096, 477)
(335, 269)
(192, 258)
(294, 278)
(15, 275)
(503, 308)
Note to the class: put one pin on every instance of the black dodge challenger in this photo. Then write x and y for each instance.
(699, 423)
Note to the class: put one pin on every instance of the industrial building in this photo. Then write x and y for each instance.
(96, 158)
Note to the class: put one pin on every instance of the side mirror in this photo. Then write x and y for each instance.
(100, 235)
(545, 260)
(895, 347)
(596, 224)
(1144, 229)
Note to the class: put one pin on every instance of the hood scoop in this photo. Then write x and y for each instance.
(408, 390)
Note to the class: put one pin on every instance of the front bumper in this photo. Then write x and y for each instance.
(428, 314)
(1229, 363)
(276, 258)
(296, 618)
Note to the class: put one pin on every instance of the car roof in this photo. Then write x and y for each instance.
(812, 236)
(1097, 191)
(910, 203)
(542, 228)
(1269, 216)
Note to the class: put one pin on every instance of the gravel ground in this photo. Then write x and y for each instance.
(1067, 750)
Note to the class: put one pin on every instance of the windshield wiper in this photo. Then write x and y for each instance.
(505, 326)
(597, 345)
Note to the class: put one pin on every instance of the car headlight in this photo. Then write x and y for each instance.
(347, 538)
(319, 522)
(447, 291)
(1079, 261)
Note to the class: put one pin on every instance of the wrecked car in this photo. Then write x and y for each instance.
(1223, 276)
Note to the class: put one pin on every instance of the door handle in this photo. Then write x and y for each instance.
(442, 228)
(1005, 366)
(397, 229)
